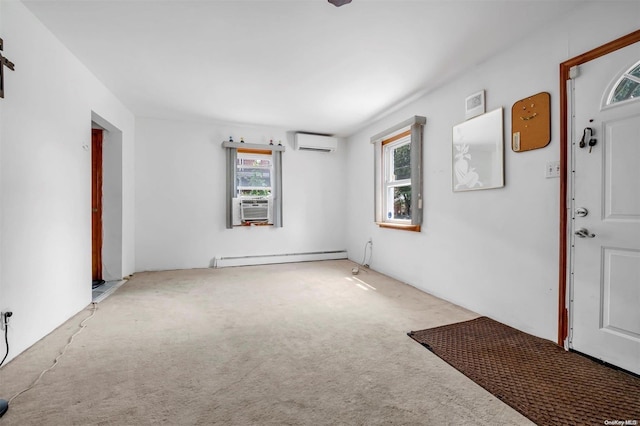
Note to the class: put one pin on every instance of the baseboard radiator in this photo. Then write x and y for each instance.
(264, 259)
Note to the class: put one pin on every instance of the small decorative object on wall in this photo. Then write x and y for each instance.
(531, 123)
(478, 153)
(474, 105)
(4, 62)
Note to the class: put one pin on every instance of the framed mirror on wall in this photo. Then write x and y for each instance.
(478, 153)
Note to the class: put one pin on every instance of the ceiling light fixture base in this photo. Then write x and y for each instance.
(338, 3)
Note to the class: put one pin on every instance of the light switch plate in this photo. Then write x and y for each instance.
(553, 169)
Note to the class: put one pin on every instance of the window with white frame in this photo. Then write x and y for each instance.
(397, 179)
(253, 174)
(254, 184)
(627, 87)
(398, 175)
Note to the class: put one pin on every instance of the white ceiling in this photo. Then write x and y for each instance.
(302, 65)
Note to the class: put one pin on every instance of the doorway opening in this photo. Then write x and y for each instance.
(107, 202)
(96, 208)
(595, 265)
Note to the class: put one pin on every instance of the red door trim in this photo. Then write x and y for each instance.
(96, 204)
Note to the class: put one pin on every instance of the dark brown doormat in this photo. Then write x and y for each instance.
(536, 377)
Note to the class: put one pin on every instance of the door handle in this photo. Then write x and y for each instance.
(584, 233)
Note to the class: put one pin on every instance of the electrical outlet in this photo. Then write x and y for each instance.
(371, 241)
(552, 170)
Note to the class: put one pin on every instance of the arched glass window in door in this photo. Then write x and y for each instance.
(627, 87)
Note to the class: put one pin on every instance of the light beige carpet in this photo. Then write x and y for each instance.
(290, 344)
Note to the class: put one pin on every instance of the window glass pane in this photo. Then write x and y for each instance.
(253, 176)
(636, 71)
(399, 203)
(254, 162)
(627, 89)
(256, 178)
(402, 162)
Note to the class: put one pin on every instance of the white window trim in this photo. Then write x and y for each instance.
(390, 182)
(257, 157)
(416, 126)
(613, 87)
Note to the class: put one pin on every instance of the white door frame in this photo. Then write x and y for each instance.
(565, 190)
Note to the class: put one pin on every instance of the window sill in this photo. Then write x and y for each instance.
(414, 228)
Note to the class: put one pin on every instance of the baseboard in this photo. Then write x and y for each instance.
(264, 259)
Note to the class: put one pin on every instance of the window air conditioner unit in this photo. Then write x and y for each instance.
(308, 142)
(254, 209)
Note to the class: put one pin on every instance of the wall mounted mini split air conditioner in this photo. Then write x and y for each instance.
(309, 142)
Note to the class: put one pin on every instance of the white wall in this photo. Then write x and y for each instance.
(45, 176)
(494, 251)
(180, 197)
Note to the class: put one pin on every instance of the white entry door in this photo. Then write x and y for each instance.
(605, 217)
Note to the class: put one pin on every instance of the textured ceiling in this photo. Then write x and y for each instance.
(303, 65)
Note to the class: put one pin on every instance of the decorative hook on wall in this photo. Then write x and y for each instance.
(4, 62)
